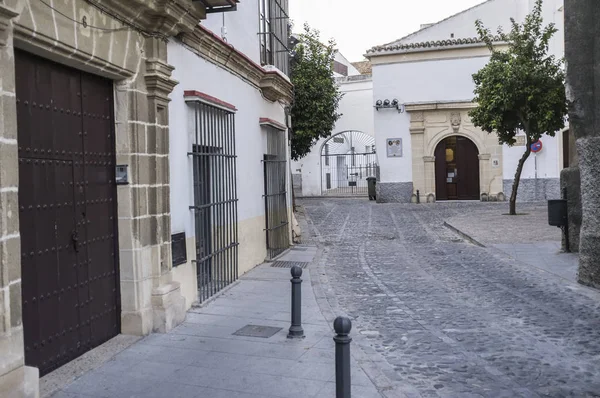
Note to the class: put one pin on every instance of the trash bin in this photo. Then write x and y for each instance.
(371, 181)
(557, 212)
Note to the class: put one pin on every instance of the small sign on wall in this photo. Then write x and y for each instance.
(394, 147)
(520, 140)
(495, 163)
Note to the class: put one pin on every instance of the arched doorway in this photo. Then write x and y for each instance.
(457, 169)
(347, 159)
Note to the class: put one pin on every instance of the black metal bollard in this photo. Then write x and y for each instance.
(342, 327)
(296, 330)
(418, 197)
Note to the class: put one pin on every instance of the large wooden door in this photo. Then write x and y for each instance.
(67, 200)
(457, 169)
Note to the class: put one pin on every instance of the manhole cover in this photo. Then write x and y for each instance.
(288, 264)
(257, 331)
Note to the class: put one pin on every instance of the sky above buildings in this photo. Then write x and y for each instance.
(357, 25)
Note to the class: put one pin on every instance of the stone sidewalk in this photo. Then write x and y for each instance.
(526, 238)
(203, 358)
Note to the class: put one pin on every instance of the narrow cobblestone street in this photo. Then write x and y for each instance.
(453, 319)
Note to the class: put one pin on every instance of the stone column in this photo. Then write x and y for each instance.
(485, 173)
(582, 51)
(429, 175)
(417, 140)
(16, 379)
(167, 302)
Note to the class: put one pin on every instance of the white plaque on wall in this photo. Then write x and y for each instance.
(520, 140)
(394, 147)
(495, 163)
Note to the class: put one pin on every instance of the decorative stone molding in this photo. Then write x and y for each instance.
(204, 43)
(432, 106)
(276, 88)
(485, 156)
(166, 17)
(6, 14)
(417, 117)
(158, 80)
(429, 159)
(455, 121)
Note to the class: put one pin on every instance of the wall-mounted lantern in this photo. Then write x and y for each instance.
(387, 104)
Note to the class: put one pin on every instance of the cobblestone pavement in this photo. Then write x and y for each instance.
(454, 319)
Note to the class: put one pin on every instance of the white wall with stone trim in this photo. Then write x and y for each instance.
(196, 73)
(445, 75)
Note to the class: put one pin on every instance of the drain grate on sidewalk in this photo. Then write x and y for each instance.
(299, 249)
(289, 264)
(257, 331)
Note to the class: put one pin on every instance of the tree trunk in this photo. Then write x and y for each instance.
(515, 187)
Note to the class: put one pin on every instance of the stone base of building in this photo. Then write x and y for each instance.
(394, 192)
(168, 306)
(23, 382)
(534, 190)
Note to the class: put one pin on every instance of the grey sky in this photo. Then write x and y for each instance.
(359, 25)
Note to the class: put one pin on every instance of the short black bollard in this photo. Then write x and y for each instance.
(296, 330)
(342, 327)
(418, 197)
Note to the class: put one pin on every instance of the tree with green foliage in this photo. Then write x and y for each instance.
(316, 94)
(522, 88)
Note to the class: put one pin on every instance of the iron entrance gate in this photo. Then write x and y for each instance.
(215, 199)
(67, 201)
(276, 211)
(347, 159)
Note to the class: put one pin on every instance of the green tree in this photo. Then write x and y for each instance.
(522, 88)
(316, 94)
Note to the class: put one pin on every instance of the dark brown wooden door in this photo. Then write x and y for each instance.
(457, 169)
(67, 200)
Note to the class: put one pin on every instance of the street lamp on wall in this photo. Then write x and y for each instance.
(387, 104)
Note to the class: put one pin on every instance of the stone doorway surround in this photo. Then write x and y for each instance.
(432, 122)
(103, 38)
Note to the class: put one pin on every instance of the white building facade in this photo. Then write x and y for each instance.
(229, 152)
(340, 164)
(443, 156)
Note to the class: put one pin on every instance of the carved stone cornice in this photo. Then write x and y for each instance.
(431, 106)
(204, 43)
(167, 17)
(158, 79)
(275, 87)
(6, 14)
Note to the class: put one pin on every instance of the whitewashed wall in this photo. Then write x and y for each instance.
(451, 80)
(357, 109)
(194, 73)
(428, 81)
(242, 28)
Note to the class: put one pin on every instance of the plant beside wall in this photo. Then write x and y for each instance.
(316, 94)
(521, 88)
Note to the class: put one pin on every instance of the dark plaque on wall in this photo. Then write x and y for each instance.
(178, 249)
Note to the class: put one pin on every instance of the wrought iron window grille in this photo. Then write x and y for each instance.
(215, 198)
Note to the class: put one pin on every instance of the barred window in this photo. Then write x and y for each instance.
(274, 34)
(215, 198)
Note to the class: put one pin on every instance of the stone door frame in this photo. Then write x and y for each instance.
(138, 66)
(430, 123)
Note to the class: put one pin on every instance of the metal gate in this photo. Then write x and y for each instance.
(215, 198)
(276, 210)
(347, 160)
(67, 201)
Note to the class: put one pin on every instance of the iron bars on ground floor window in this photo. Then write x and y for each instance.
(215, 198)
(276, 209)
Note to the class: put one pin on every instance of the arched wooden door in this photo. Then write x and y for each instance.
(457, 169)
